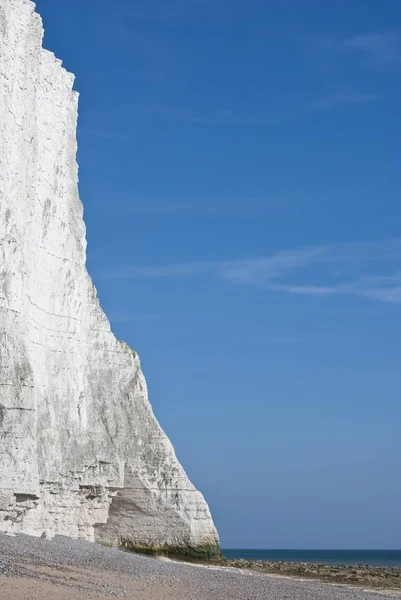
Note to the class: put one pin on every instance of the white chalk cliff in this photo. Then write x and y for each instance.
(81, 453)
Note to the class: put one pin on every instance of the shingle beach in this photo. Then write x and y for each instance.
(41, 569)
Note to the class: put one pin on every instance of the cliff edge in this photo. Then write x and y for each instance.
(81, 453)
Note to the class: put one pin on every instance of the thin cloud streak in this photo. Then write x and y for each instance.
(380, 50)
(271, 272)
(306, 290)
(385, 295)
(355, 98)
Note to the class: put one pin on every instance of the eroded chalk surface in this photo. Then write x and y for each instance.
(81, 453)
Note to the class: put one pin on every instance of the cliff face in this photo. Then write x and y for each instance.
(81, 453)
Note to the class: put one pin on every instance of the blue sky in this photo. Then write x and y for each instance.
(239, 169)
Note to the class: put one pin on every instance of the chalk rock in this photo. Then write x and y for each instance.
(81, 453)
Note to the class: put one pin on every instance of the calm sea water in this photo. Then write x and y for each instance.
(333, 557)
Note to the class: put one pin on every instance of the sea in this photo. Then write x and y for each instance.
(328, 557)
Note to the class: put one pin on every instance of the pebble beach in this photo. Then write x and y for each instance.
(42, 569)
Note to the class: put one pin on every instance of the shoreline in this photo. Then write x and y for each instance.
(383, 577)
(66, 569)
(380, 577)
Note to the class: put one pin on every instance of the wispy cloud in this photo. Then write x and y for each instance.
(333, 99)
(386, 289)
(380, 49)
(306, 266)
